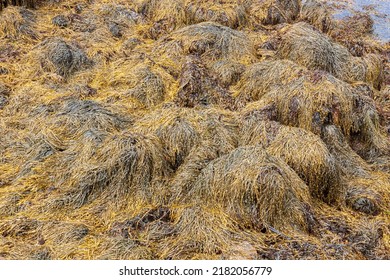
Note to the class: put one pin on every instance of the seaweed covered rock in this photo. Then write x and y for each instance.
(365, 190)
(209, 40)
(367, 137)
(230, 13)
(125, 164)
(148, 86)
(350, 163)
(308, 47)
(182, 131)
(311, 100)
(363, 199)
(197, 86)
(303, 151)
(62, 58)
(198, 234)
(260, 78)
(176, 130)
(167, 15)
(308, 99)
(256, 188)
(75, 116)
(145, 83)
(64, 233)
(164, 15)
(318, 14)
(228, 72)
(17, 22)
(350, 32)
(123, 15)
(274, 11)
(118, 18)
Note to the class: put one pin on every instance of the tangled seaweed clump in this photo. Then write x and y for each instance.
(308, 47)
(183, 129)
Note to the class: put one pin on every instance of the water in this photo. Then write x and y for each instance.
(379, 10)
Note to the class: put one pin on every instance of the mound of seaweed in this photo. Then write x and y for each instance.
(64, 59)
(210, 40)
(274, 11)
(311, 100)
(17, 23)
(181, 129)
(306, 46)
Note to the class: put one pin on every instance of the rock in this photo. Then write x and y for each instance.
(66, 58)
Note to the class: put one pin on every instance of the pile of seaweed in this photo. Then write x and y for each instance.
(177, 129)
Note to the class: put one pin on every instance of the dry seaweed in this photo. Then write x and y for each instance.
(308, 47)
(274, 11)
(181, 129)
(198, 87)
(209, 40)
(317, 14)
(17, 23)
(302, 151)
